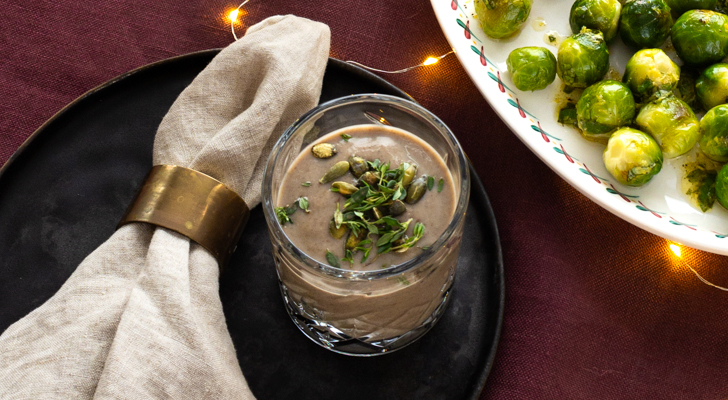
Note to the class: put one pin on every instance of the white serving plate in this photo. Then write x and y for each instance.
(659, 207)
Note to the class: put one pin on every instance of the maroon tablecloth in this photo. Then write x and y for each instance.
(595, 307)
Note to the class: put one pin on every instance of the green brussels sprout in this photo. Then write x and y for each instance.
(632, 157)
(672, 123)
(685, 89)
(712, 86)
(679, 7)
(645, 23)
(700, 37)
(721, 186)
(502, 18)
(601, 15)
(714, 128)
(650, 73)
(532, 68)
(583, 59)
(603, 108)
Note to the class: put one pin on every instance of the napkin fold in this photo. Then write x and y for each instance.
(141, 316)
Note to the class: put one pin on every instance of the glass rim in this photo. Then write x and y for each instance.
(276, 229)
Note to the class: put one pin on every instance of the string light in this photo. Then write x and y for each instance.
(432, 60)
(233, 17)
(428, 61)
(676, 249)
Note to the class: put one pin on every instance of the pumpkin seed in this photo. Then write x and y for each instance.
(416, 190)
(358, 165)
(323, 150)
(337, 233)
(353, 240)
(409, 175)
(397, 208)
(371, 178)
(346, 189)
(337, 170)
(378, 214)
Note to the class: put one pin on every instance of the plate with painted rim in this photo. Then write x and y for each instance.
(660, 207)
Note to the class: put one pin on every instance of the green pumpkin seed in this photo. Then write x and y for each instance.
(358, 165)
(378, 214)
(338, 170)
(337, 233)
(416, 190)
(371, 178)
(353, 240)
(346, 189)
(323, 150)
(409, 175)
(397, 208)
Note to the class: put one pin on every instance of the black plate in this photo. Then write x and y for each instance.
(65, 189)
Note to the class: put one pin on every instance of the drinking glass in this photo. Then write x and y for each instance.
(366, 312)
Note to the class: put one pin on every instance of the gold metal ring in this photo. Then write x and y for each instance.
(192, 204)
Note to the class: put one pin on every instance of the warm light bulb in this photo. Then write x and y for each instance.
(430, 61)
(234, 15)
(675, 249)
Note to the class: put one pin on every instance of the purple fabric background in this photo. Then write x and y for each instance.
(595, 307)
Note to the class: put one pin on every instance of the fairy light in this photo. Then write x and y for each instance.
(428, 61)
(233, 17)
(676, 250)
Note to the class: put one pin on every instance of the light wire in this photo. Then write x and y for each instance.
(429, 61)
(233, 17)
(705, 281)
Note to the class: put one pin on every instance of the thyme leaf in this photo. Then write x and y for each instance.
(303, 204)
(283, 214)
(332, 260)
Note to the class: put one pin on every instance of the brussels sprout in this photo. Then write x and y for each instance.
(699, 183)
(685, 89)
(583, 59)
(502, 18)
(603, 108)
(700, 37)
(712, 86)
(645, 23)
(651, 73)
(721, 186)
(601, 15)
(672, 123)
(681, 6)
(632, 157)
(714, 128)
(532, 68)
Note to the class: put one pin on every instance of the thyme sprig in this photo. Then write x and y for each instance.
(283, 213)
(362, 212)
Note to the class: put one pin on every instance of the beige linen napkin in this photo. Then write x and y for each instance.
(141, 316)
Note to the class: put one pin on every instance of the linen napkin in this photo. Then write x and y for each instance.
(141, 316)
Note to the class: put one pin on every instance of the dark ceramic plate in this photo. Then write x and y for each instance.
(65, 189)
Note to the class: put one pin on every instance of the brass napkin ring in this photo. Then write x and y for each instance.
(192, 204)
